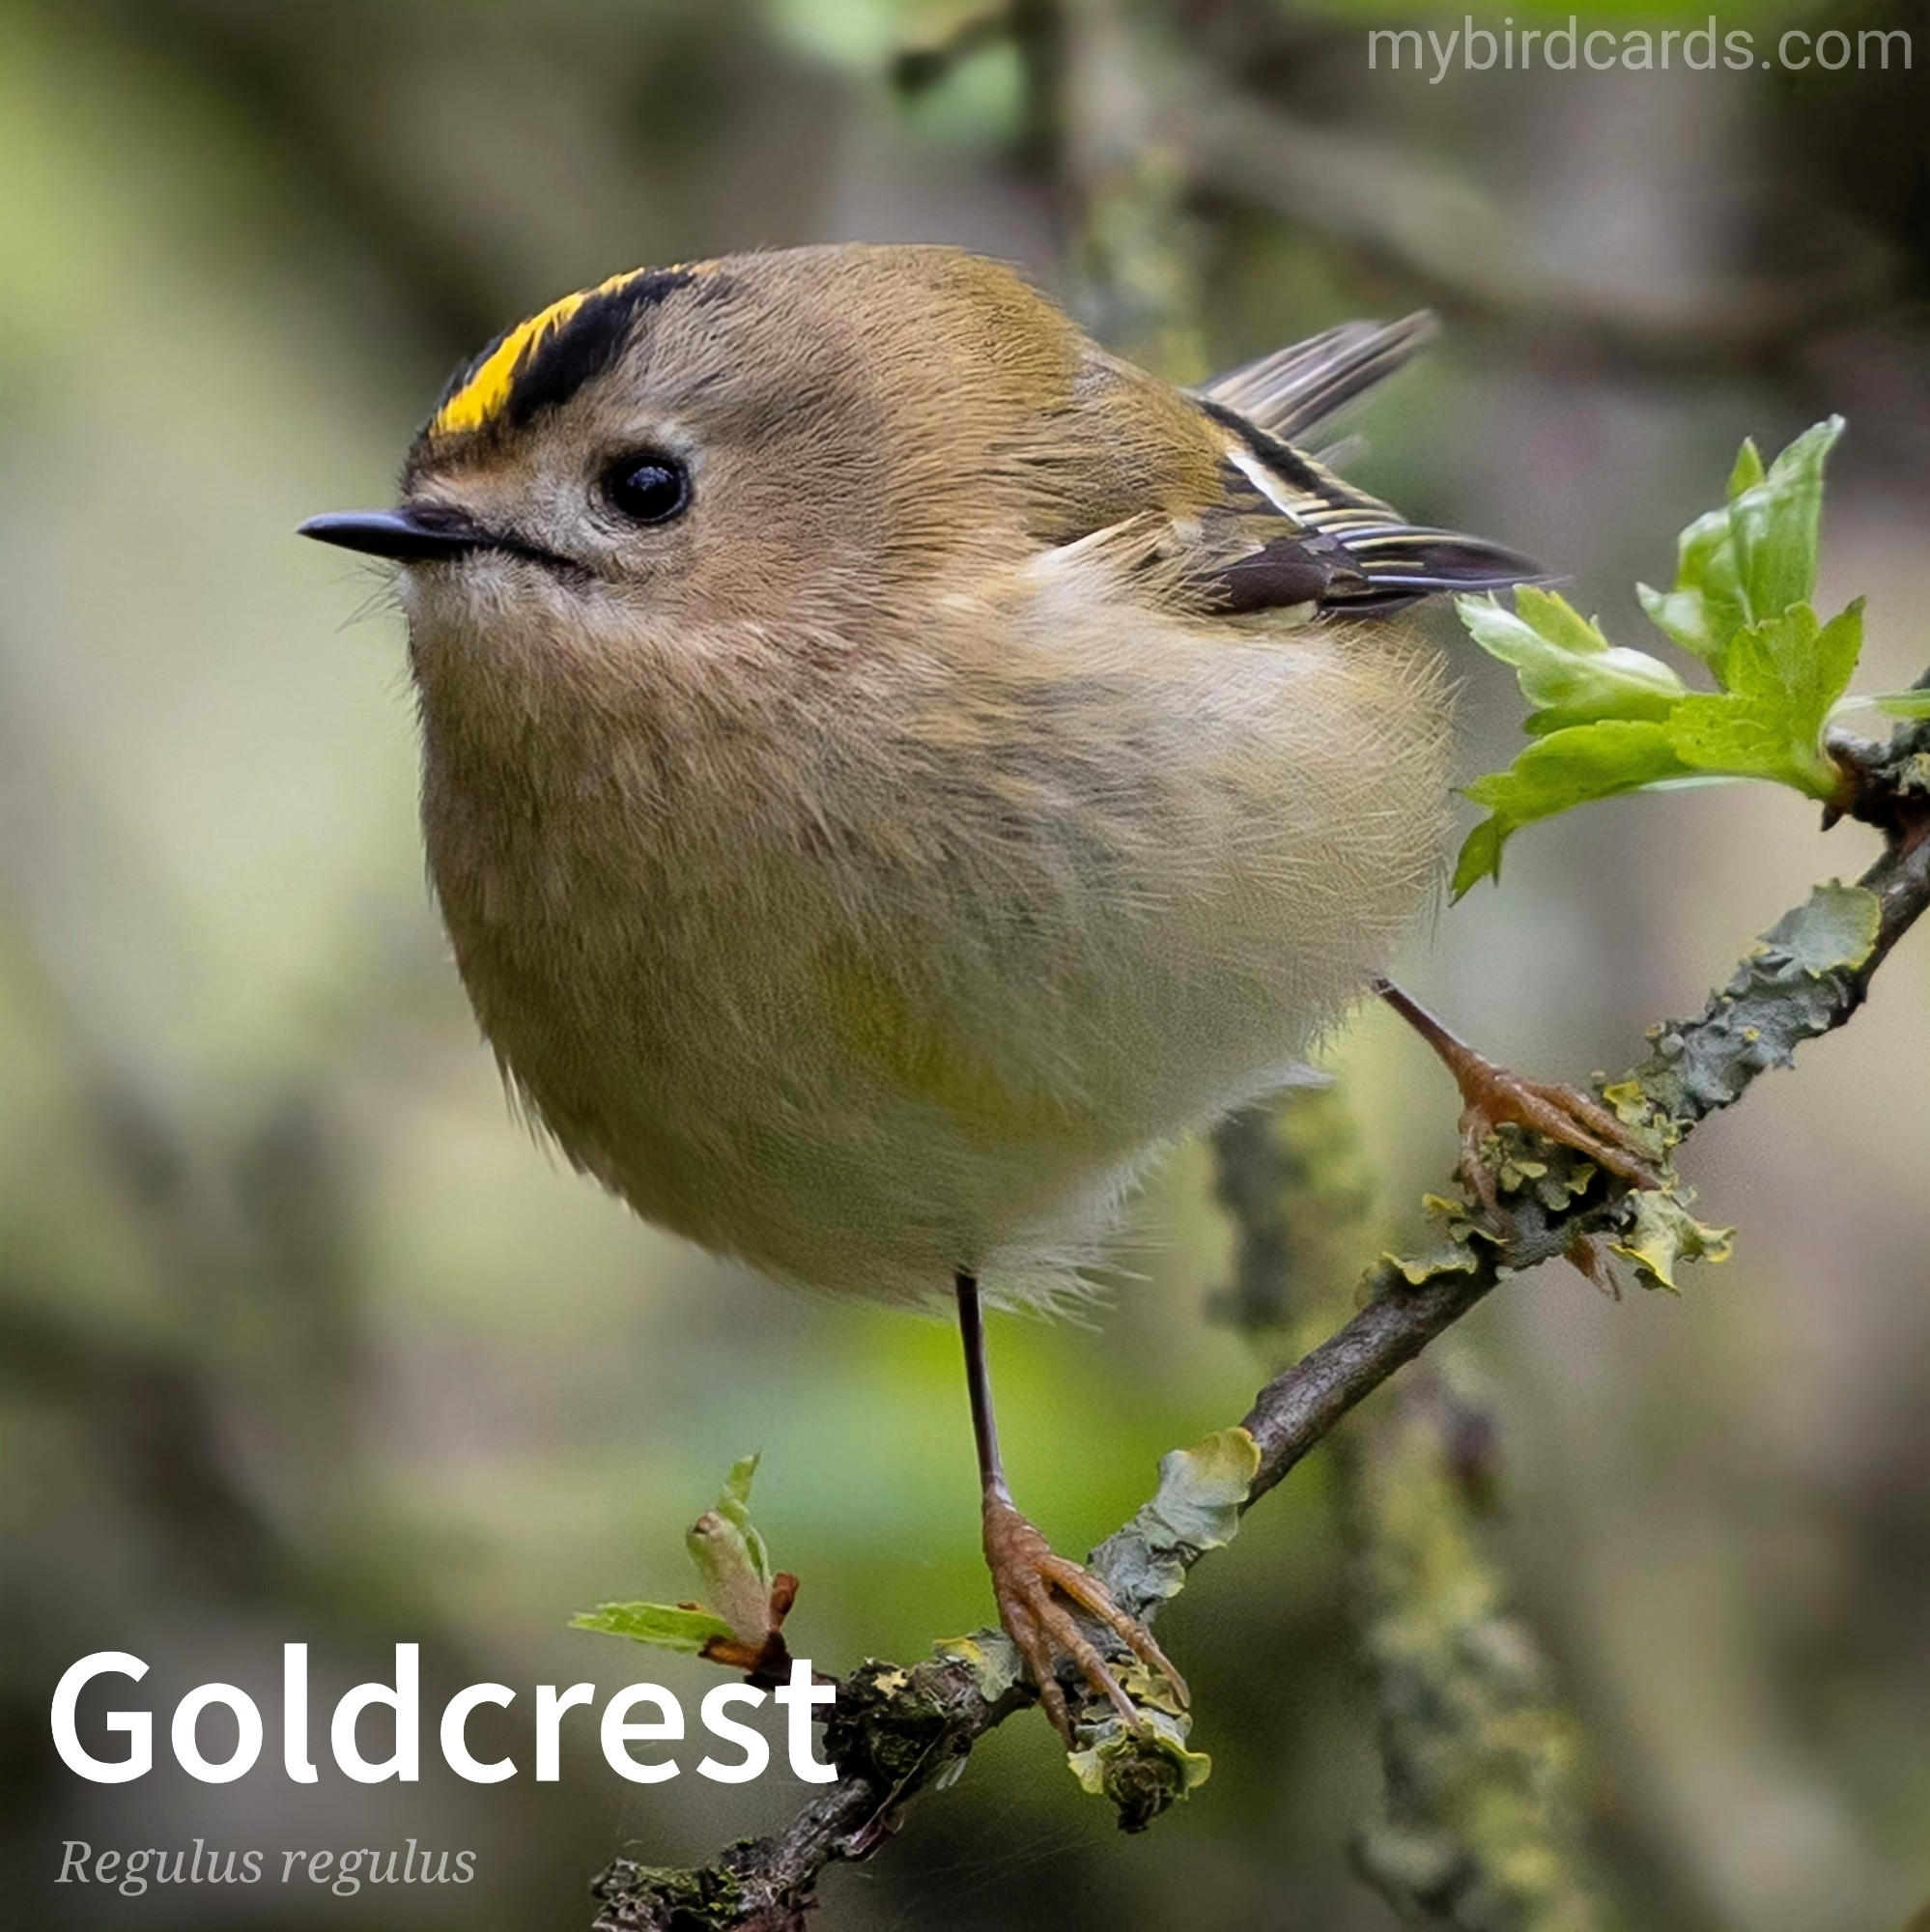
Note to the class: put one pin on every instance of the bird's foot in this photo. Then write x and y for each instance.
(1033, 1586)
(1493, 1097)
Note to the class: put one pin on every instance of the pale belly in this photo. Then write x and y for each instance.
(951, 1036)
(795, 1110)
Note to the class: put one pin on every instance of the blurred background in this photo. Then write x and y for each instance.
(301, 1339)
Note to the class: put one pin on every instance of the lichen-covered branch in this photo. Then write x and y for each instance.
(897, 1731)
(1479, 1827)
(1804, 978)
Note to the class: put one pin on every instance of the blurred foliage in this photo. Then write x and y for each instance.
(1481, 1825)
(298, 1338)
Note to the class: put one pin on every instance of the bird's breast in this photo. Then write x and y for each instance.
(868, 993)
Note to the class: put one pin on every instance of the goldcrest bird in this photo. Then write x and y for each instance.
(891, 767)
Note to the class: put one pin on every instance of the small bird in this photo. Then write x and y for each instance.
(891, 768)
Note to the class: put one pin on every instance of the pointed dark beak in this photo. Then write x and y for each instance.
(412, 536)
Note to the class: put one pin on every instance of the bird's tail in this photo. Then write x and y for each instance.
(1368, 557)
(1295, 389)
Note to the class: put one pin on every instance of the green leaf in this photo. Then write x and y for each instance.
(1892, 703)
(1705, 609)
(735, 1569)
(1784, 677)
(1750, 561)
(1613, 721)
(1776, 520)
(730, 1555)
(735, 1495)
(1480, 855)
(678, 1627)
(1564, 664)
(1567, 768)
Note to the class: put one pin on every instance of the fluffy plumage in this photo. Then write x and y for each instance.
(980, 785)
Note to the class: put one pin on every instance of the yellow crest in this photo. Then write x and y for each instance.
(488, 385)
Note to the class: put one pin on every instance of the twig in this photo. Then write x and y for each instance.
(895, 1730)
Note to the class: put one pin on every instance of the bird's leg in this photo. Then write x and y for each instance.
(1491, 1096)
(1032, 1585)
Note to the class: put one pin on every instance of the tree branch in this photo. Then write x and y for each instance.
(1480, 1824)
(896, 1731)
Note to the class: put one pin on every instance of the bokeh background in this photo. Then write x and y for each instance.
(300, 1338)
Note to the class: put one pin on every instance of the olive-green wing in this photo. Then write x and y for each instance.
(1287, 532)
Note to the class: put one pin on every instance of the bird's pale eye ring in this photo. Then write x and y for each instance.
(647, 486)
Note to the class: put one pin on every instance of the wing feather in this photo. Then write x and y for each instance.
(1287, 530)
(1296, 389)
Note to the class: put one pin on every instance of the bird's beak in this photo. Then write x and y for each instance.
(411, 535)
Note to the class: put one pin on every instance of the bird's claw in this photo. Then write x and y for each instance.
(1034, 1585)
(1494, 1097)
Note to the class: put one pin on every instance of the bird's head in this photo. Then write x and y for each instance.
(778, 442)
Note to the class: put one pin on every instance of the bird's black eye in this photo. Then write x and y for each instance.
(647, 487)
